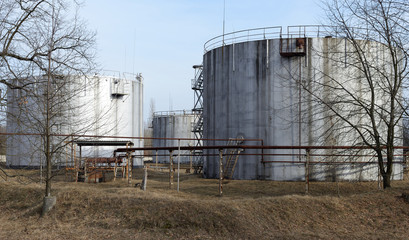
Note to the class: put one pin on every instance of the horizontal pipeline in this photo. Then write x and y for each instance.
(261, 154)
(220, 147)
(124, 137)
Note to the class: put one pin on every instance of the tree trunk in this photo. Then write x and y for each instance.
(386, 180)
(48, 165)
(49, 202)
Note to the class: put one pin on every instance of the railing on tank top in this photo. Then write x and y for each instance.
(310, 31)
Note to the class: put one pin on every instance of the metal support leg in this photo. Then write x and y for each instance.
(156, 153)
(170, 169)
(191, 162)
(307, 173)
(129, 169)
(127, 166)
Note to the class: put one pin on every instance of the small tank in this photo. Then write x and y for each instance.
(172, 124)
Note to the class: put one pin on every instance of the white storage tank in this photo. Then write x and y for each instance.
(108, 105)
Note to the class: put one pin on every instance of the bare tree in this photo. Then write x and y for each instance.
(369, 71)
(42, 51)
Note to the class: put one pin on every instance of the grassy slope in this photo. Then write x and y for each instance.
(248, 210)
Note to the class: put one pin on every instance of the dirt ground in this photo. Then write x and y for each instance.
(247, 209)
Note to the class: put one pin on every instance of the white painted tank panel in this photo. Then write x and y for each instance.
(99, 109)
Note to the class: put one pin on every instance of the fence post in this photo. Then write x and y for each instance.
(178, 162)
(129, 168)
(221, 172)
(77, 168)
(170, 169)
(145, 178)
(156, 153)
(307, 171)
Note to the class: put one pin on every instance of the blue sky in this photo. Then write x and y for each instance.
(163, 39)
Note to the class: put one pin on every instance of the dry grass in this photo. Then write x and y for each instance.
(247, 210)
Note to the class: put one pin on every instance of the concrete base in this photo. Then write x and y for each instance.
(48, 204)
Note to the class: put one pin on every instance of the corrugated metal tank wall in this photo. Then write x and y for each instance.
(175, 124)
(250, 90)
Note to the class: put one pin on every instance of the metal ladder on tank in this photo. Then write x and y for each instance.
(197, 86)
(232, 158)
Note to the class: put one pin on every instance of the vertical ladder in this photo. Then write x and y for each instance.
(197, 129)
(231, 159)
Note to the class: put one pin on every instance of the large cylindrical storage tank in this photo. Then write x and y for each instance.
(116, 103)
(252, 89)
(168, 127)
(106, 106)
